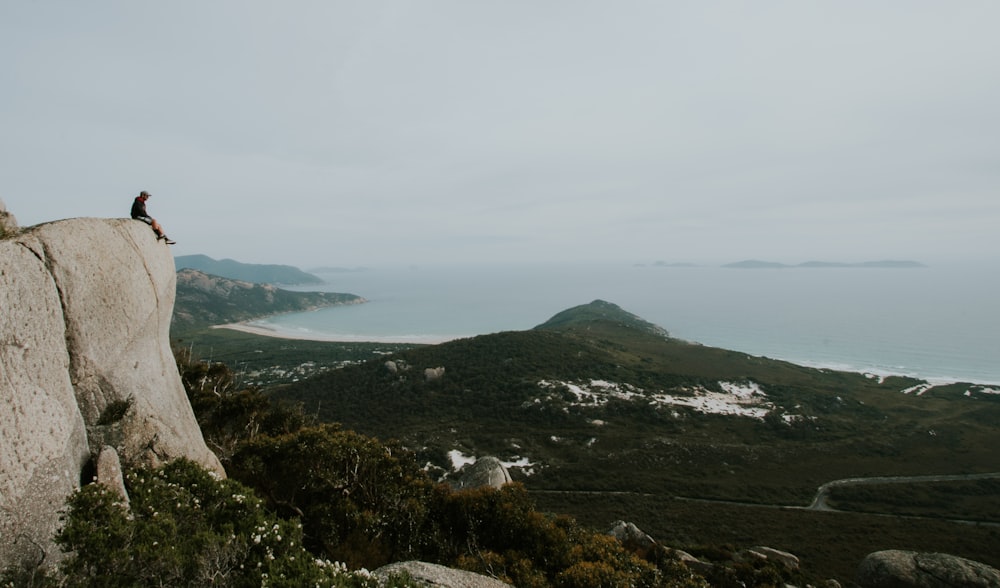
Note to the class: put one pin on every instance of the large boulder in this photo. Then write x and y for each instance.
(631, 536)
(436, 576)
(909, 569)
(86, 362)
(770, 554)
(486, 471)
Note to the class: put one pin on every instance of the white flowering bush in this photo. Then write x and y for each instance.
(183, 527)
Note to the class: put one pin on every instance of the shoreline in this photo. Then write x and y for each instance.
(277, 334)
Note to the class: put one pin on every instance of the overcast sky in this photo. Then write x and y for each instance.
(369, 132)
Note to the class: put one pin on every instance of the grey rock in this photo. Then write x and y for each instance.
(790, 561)
(909, 569)
(487, 471)
(433, 575)
(631, 535)
(693, 563)
(87, 307)
(433, 374)
(109, 472)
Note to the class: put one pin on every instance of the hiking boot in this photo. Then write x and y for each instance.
(168, 240)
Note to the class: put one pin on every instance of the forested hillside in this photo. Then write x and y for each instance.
(608, 419)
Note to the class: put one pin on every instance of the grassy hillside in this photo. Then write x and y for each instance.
(611, 419)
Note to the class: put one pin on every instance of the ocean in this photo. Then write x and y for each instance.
(939, 323)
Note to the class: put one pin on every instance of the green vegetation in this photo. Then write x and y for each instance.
(367, 503)
(582, 400)
(969, 500)
(637, 455)
(182, 527)
(326, 495)
(829, 544)
(267, 361)
(115, 411)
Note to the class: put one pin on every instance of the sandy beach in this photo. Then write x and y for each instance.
(270, 332)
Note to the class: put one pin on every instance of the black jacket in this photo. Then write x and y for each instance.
(138, 208)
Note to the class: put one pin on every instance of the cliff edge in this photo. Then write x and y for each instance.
(85, 363)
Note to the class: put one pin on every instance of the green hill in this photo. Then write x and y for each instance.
(600, 314)
(248, 272)
(604, 417)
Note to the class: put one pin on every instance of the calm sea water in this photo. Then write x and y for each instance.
(937, 323)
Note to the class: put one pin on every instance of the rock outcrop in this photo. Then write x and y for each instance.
(909, 569)
(85, 362)
(631, 536)
(433, 575)
(790, 561)
(433, 374)
(486, 471)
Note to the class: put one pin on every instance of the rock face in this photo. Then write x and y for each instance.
(433, 575)
(908, 569)
(85, 362)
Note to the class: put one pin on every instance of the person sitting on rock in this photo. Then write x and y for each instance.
(139, 213)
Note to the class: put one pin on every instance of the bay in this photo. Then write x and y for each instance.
(939, 323)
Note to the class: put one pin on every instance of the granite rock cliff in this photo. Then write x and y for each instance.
(85, 364)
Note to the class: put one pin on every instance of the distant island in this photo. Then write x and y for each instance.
(248, 272)
(672, 264)
(888, 263)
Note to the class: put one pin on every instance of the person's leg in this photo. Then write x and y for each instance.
(152, 224)
(160, 234)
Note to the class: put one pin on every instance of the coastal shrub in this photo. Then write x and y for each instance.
(115, 411)
(366, 502)
(499, 532)
(362, 501)
(227, 415)
(184, 527)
